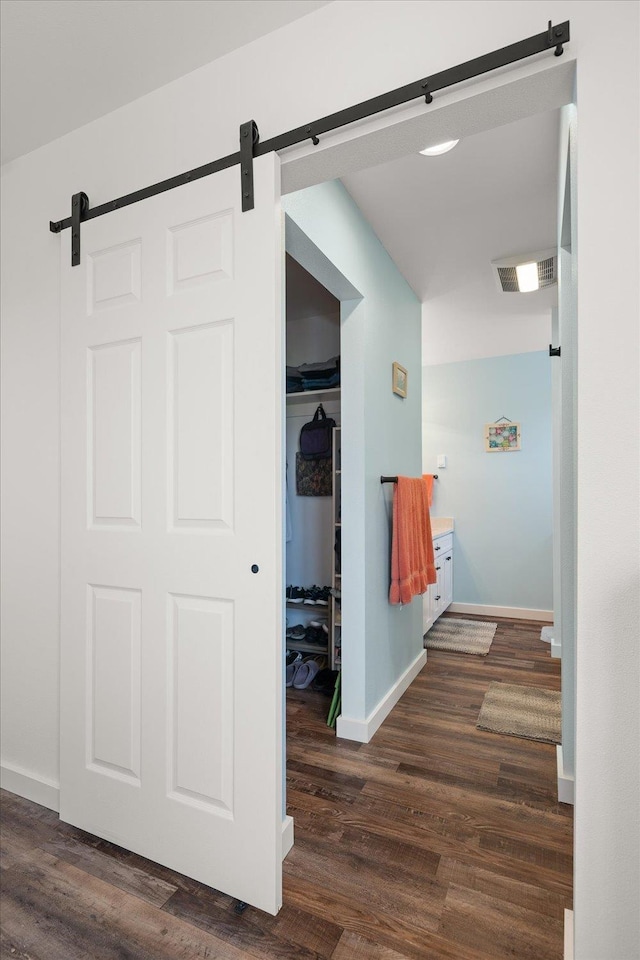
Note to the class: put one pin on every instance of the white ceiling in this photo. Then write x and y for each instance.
(444, 219)
(67, 62)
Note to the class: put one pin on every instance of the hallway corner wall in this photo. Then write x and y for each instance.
(381, 434)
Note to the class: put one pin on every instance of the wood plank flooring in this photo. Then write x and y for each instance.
(436, 840)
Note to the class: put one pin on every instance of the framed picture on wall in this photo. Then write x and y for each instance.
(399, 381)
(501, 437)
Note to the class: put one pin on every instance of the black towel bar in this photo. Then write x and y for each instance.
(395, 479)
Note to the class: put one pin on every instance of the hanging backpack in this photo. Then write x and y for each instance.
(315, 436)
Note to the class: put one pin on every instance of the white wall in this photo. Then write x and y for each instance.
(196, 119)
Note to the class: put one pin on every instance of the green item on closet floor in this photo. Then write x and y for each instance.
(334, 709)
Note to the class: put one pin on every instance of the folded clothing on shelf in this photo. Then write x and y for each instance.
(294, 380)
(314, 376)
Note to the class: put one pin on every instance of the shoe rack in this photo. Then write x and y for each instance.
(307, 614)
(335, 604)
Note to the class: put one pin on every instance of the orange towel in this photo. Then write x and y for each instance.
(412, 563)
(428, 479)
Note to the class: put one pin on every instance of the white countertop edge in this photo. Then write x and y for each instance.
(441, 525)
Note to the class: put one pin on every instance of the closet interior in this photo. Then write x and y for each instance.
(313, 640)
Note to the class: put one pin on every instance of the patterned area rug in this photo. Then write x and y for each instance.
(461, 636)
(521, 711)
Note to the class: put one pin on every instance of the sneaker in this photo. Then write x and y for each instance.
(295, 594)
(293, 656)
(296, 633)
(323, 595)
(315, 635)
(311, 594)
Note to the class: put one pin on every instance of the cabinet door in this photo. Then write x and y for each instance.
(427, 609)
(436, 590)
(447, 580)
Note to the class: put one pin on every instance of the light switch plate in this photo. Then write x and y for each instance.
(442, 461)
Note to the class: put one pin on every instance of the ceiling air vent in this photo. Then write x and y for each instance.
(526, 273)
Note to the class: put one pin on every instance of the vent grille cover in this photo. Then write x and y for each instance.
(507, 278)
(547, 272)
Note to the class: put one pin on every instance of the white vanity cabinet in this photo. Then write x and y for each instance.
(440, 594)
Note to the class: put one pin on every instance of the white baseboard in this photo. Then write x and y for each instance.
(363, 730)
(31, 787)
(47, 794)
(566, 783)
(512, 613)
(287, 835)
(568, 934)
(556, 649)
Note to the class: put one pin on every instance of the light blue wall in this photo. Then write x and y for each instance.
(501, 502)
(381, 435)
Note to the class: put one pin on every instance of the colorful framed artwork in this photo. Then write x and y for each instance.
(501, 437)
(399, 381)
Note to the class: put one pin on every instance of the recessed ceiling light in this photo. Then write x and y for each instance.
(439, 148)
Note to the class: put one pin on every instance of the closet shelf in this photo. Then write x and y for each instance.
(314, 396)
(307, 607)
(304, 647)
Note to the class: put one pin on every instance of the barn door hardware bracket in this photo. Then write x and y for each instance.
(251, 146)
(554, 351)
(249, 136)
(79, 206)
(556, 36)
(427, 93)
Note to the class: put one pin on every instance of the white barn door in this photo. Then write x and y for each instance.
(171, 686)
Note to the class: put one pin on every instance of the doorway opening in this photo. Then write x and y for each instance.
(506, 350)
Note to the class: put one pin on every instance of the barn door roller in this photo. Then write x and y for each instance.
(249, 137)
(250, 145)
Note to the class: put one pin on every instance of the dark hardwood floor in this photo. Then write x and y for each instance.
(436, 840)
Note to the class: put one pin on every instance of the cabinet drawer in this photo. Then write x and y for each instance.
(442, 544)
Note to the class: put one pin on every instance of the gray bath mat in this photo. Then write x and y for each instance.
(461, 636)
(521, 711)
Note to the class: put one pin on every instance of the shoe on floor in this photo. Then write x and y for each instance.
(306, 671)
(325, 681)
